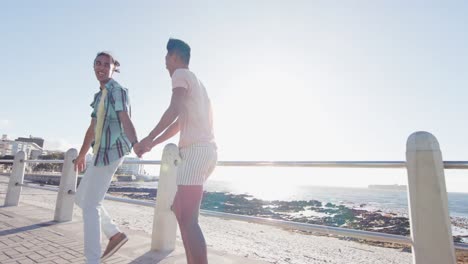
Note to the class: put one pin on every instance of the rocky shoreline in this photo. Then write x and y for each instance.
(312, 212)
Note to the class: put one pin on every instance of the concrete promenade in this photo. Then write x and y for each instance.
(27, 235)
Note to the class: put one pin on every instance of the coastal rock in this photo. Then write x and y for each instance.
(312, 212)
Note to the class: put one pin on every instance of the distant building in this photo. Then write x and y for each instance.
(28, 147)
(35, 153)
(10, 147)
(37, 140)
(131, 169)
(5, 146)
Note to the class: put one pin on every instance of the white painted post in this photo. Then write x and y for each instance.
(429, 215)
(67, 189)
(165, 222)
(16, 179)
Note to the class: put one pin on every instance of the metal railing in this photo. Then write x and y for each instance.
(418, 165)
(463, 165)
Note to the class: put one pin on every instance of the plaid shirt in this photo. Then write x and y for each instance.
(114, 142)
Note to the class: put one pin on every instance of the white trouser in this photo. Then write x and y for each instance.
(89, 197)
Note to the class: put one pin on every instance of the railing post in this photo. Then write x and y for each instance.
(16, 179)
(428, 207)
(67, 189)
(164, 222)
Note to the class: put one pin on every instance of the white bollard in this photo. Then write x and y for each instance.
(428, 207)
(165, 222)
(16, 180)
(67, 189)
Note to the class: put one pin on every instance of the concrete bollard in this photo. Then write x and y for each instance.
(428, 207)
(16, 180)
(67, 189)
(165, 222)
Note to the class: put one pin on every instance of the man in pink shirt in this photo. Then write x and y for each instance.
(190, 114)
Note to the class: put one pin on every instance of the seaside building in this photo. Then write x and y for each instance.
(131, 169)
(39, 141)
(31, 149)
(5, 146)
(10, 147)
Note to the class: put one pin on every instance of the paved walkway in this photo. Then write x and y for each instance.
(27, 235)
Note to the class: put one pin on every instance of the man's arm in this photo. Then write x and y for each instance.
(171, 114)
(171, 131)
(128, 127)
(80, 161)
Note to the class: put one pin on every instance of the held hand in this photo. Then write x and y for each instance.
(141, 148)
(137, 149)
(80, 163)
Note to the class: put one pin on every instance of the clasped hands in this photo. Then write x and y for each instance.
(143, 146)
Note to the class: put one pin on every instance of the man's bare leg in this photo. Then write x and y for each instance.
(176, 209)
(187, 208)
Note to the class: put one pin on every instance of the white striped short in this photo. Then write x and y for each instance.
(197, 163)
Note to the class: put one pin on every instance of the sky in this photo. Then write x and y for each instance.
(289, 80)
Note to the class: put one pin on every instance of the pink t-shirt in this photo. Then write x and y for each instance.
(196, 118)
